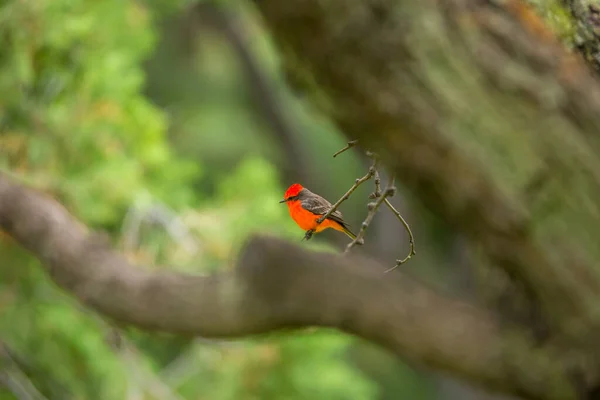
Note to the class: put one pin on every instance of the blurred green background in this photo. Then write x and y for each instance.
(170, 127)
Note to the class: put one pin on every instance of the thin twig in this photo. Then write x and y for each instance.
(348, 146)
(377, 193)
(381, 197)
(372, 171)
(375, 157)
(389, 191)
(410, 238)
(345, 197)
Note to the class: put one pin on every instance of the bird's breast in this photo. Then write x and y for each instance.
(304, 218)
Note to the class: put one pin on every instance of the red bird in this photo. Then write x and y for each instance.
(307, 207)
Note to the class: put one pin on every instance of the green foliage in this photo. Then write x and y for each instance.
(74, 122)
(297, 367)
(73, 116)
(62, 347)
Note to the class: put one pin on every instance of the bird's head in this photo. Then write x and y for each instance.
(292, 192)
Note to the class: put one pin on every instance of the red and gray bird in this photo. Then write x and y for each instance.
(306, 208)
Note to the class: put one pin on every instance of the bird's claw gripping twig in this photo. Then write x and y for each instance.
(308, 234)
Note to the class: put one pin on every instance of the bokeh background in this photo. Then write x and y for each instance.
(169, 125)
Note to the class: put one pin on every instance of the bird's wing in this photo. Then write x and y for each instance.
(319, 206)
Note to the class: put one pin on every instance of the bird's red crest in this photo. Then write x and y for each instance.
(293, 190)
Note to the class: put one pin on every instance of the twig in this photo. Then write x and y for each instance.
(389, 191)
(345, 197)
(412, 251)
(377, 193)
(381, 197)
(372, 173)
(348, 146)
(357, 183)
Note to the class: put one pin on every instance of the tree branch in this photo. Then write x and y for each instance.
(277, 285)
(465, 116)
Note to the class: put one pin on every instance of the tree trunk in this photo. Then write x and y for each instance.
(491, 122)
(481, 113)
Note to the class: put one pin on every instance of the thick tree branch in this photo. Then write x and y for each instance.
(278, 285)
(467, 101)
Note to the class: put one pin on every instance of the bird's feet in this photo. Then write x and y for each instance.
(308, 234)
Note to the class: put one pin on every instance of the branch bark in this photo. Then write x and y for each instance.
(488, 119)
(276, 285)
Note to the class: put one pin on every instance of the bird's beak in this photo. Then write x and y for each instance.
(283, 201)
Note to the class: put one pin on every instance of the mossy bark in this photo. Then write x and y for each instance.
(484, 114)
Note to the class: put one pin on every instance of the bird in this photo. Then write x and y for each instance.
(306, 208)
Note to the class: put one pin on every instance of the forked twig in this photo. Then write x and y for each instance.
(335, 206)
(380, 198)
(389, 191)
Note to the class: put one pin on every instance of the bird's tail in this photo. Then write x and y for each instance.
(349, 232)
